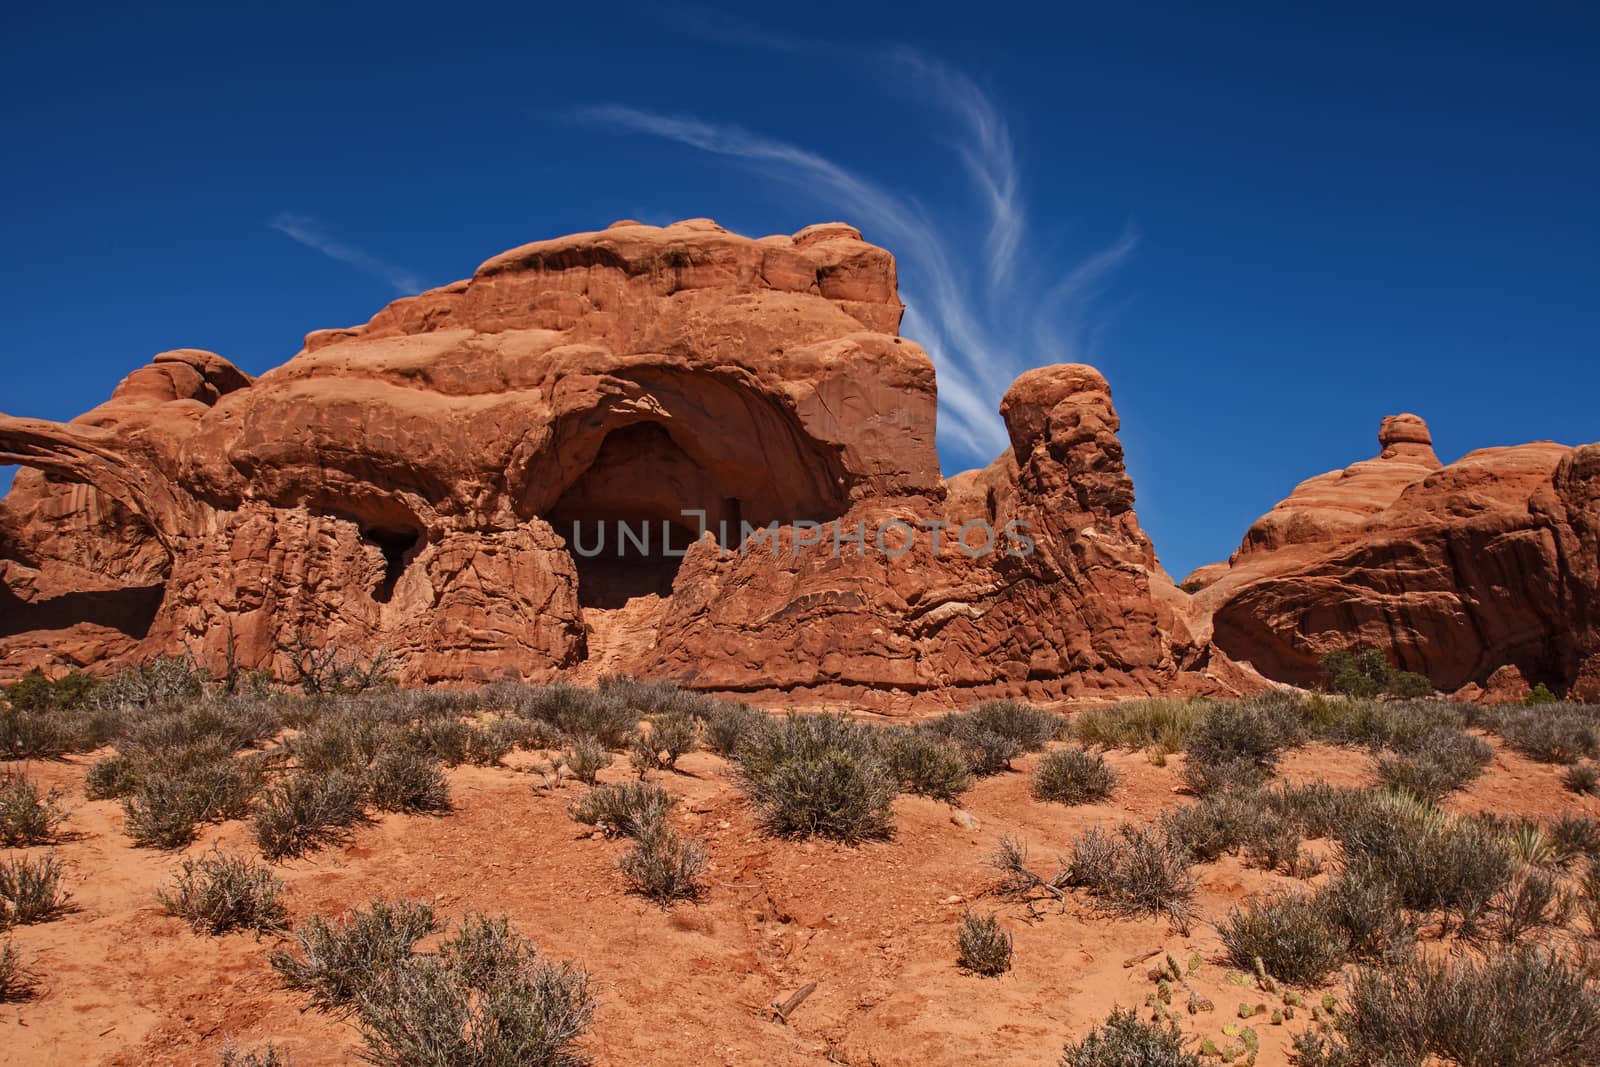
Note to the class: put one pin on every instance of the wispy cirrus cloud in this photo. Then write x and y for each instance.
(309, 232)
(984, 319)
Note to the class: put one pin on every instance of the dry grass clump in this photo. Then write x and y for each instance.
(27, 816)
(17, 980)
(1073, 776)
(487, 999)
(221, 891)
(1140, 869)
(819, 774)
(1163, 724)
(1291, 934)
(1524, 1007)
(995, 732)
(306, 811)
(268, 1056)
(664, 867)
(627, 809)
(983, 946)
(924, 763)
(337, 961)
(1125, 1040)
(31, 891)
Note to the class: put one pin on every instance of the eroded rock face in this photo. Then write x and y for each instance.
(1461, 571)
(428, 482)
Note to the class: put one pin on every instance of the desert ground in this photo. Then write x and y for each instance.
(873, 923)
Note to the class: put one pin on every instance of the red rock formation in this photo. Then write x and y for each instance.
(415, 483)
(1458, 570)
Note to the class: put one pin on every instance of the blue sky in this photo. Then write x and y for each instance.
(1267, 227)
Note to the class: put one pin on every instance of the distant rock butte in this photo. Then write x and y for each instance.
(415, 483)
(1484, 572)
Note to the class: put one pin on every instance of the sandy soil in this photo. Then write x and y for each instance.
(873, 926)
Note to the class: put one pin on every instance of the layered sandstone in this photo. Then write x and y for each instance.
(1459, 570)
(422, 483)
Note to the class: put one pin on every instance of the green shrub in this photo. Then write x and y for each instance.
(221, 891)
(1291, 934)
(338, 961)
(1521, 1008)
(27, 816)
(489, 999)
(925, 764)
(404, 780)
(663, 866)
(819, 774)
(31, 892)
(628, 809)
(1141, 869)
(1164, 724)
(17, 980)
(1073, 776)
(1125, 1040)
(1540, 694)
(983, 946)
(305, 811)
(1366, 672)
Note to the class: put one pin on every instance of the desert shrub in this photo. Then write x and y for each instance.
(166, 804)
(1125, 1040)
(487, 743)
(628, 809)
(663, 866)
(1552, 733)
(344, 743)
(337, 961)
(489, 999)
(229, 724)
(17, 980)
(1218, 823)
(672, 735)
(583, 713)
(1073, 776)
(1434, 862)
(1573, 835)
(162, 682)
(982, 945)
(221, 891)
(305, 811)
(31, 891)
(27, 816)
(728, 724)
(1582, 778)
(1530, 902)
(1524, 1007)
(403, 780)
(1588, 899)
(644, 697)
(1140, 869)
(1366, 672)
(268, 1056)
(1277, 846)
(586, 758)
(109, 778)
(995, 732)
(1291, 934)
(450, 741)
(924, 763)
(1440, 763)
(1366, 907)
(1317, 809)
(1161, 723)
(33, 735)
(1236, 746)
(819, 774)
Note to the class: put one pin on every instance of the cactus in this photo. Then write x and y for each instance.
(1230, 1030)
(1293, 999)
(1194, 963)
(1329, 1003)
(1264, 979)
(1251, 1039)
(1164, 991)
(1238, 979)
(1208, 1048)
(1277, 1018)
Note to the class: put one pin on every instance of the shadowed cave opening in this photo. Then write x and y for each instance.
(623, 518)
(397, 547)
